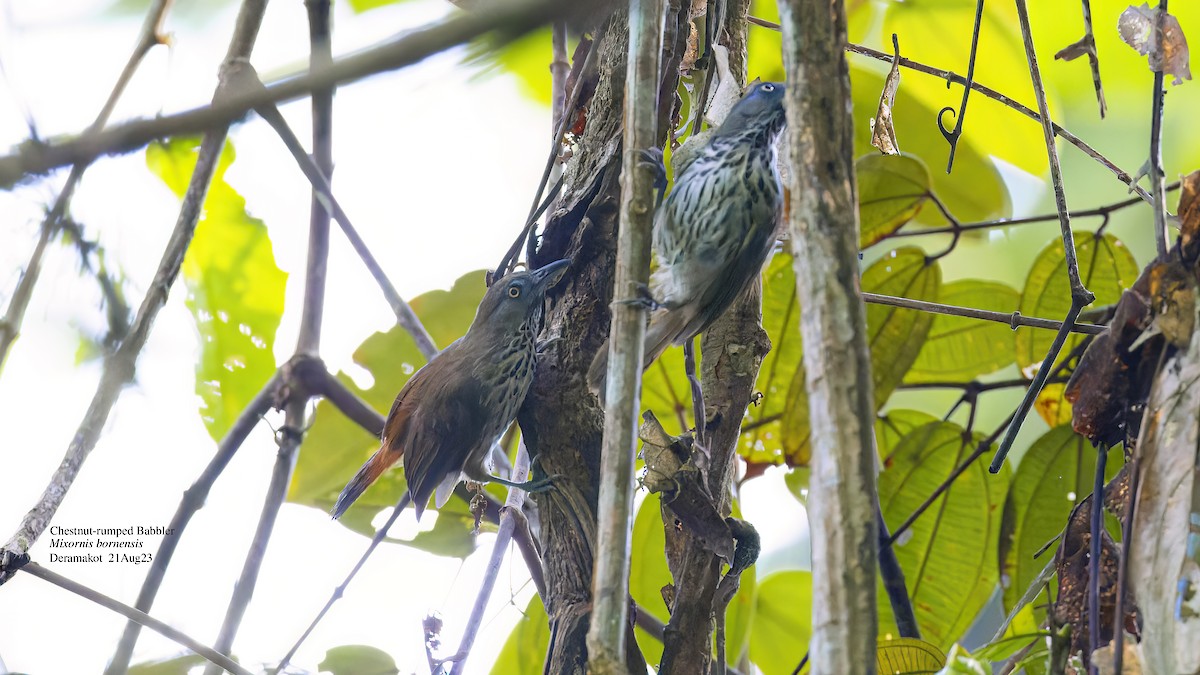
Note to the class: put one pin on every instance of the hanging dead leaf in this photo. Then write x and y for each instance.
(1189, 219)
(883, 133)
(1138, 29)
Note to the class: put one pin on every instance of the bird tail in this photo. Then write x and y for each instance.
(381, 461)
(666, 326)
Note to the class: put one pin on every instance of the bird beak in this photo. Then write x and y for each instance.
(549, 275)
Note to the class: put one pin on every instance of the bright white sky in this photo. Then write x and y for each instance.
(436, 165)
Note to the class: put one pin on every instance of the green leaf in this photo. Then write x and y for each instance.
(782, 622)
(907, 656)
(179, 665)
(1055, 474)
(527, 59)
(525, 649)
(235, 290)
(891, 191)
(960, 662)
(335, 447)
(1106, 268)
(648, 572)
(762, 442)
(894, 426)
(894, 337)
(948, 555)
(960, 349)
(358, 660)
(975, 191)
(938, 32)
(360, 6)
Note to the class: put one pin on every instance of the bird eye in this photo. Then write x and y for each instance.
(768, 87)
(514, 291)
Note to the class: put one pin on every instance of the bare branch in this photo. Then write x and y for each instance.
(1013, 319)
(119, 366)
(1161, 236)
(141, 618)
(1087, 45)
(10, 325)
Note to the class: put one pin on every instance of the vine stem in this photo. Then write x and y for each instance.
(10, 325)
(1013, 319)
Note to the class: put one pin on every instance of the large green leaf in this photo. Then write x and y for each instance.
(975, 191)
(894, 337)
(948, 555)
(959, 349)
(891, 191)
(891, 428)
(358, 660)
(525, 649)
(235, 290)
(1106, 268)
(782, 622)
(1055, 474)
(335, 447)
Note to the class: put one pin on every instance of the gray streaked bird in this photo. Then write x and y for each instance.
(716, 228)
(446, 418)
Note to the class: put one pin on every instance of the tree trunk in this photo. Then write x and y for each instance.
(561, 420)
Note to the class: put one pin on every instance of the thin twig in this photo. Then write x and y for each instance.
(141, 618)
(953, 135)
(1080, 296)
(322, 193)
(1013, 319)
(507, 20)
(1087, 45)
(353, 407)
(193, 500)
(120, 365)
(380, 535)
(10, 325)
(320, 56)
(892, 575)
(1161, 236)
(504, 535)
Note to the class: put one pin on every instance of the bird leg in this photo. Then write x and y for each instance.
(652, 158)
(530, 486)
(645, 299)
(689, 367)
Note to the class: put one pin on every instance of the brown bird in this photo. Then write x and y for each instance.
(447, 417)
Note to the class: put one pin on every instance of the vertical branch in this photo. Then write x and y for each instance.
(119, 366)
(610, 589)
(10, 325)
(1157, 188)
(1080, 296)
(824, 226)
(1097, 525)
(308, 343)
(320, 57)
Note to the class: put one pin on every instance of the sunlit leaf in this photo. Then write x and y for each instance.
(949, 553)
(648, 572)
(335, 447)
(782, 622)
(358, 660)
(960, 662)
(527, 59)
(235, 289)
(179, 665)
(1055, 474)
(525, 649)
(894, 337)
(960, 349)
(1051, 406)
(907, 656)
(1106, 268)
(891, 191)
(894, 426)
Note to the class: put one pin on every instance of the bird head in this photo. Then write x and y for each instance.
(511, 301)
(760, 108)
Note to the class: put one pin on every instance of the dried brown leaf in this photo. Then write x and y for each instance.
(883, 133)
(1137, 28)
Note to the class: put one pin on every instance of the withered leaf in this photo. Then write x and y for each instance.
(883, 133)
(1137, 27)
(1189, 218)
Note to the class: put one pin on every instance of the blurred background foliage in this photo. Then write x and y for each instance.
(971, 554)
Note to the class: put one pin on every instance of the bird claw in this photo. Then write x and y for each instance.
(652, 158)
(644, 299)
(546, 344)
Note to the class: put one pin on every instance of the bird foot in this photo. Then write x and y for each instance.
(546, 344)
(644, 299)
(531, 486)
(652, 158)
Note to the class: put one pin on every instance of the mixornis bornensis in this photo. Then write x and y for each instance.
(716, 228)
(446, 418)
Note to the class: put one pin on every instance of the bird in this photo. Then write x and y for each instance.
(715, 229)
(449, 414)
